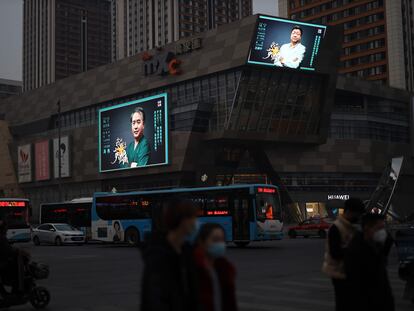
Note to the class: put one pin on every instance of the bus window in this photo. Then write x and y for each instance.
(123, 207)
(16, 216)
(217, 206)
(198, 201)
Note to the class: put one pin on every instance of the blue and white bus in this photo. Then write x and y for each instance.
(16, 213)
(246, 212)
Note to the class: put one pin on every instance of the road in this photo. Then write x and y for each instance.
(283, 276)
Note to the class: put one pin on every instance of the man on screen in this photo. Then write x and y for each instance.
(291, 54)
(138, 151)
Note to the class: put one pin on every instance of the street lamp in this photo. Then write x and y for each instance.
(59, 153)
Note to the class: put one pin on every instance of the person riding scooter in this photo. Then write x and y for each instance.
(11, 261)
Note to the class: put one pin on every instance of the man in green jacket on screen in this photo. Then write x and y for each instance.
(138, 151)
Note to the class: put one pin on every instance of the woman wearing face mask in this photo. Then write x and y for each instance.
(216, 275)
(365, 266)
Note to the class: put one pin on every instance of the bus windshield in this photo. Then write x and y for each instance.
(15, 213)
(267, 207)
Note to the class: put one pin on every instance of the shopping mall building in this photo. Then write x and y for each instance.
(228, 119)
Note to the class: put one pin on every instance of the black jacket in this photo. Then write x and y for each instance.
(365, 266)
(7, 252)
(168, 282)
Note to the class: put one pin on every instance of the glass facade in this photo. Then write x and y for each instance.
(279, 102)
(358, 116)
(329, 182)
(276, 102)
(195, 105)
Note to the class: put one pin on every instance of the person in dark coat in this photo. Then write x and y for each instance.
(365, 266)
(340, 235)
(216, 275)
(9, 261)
(168, 282)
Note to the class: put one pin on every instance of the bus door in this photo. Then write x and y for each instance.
(241, 219)
(158, 204)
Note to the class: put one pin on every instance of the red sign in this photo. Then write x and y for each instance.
(42, 160)
(12, 203)
(60, 210)
(266, 190)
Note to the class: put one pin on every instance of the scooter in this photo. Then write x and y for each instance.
(38, 296)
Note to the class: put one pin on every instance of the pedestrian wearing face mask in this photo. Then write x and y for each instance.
(340, 235)
(365, 266)
(169, 282)
(216, 275)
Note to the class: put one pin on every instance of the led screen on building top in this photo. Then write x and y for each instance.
(134, 134)
(285, 43)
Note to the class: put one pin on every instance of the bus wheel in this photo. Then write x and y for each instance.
(132, 236)
(241, 243)
(36, 240)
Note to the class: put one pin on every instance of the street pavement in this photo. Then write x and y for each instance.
(281, 275)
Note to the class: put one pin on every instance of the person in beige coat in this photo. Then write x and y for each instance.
(340, 235)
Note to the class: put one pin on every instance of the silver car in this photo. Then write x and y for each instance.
(57, 234)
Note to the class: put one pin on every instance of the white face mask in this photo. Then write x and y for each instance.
(380, 236)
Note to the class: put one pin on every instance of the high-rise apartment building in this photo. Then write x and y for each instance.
(64, 37)
(141, 25)
(378, 41)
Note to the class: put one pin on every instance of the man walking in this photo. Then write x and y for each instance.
(340, 235)
(365, 266)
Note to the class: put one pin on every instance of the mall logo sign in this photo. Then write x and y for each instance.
(163, 63)
(343, 197)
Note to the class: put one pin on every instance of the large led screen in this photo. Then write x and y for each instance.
(134, 134)
(286, 43)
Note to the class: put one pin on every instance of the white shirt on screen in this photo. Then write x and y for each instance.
(291, 56)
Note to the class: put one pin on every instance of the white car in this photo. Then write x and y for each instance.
(57, 234)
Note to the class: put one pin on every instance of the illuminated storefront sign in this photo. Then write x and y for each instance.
(343, 197)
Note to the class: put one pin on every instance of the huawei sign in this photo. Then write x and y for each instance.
(23, 156)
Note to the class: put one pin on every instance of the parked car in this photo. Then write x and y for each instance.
(57, 234)
(317, 227)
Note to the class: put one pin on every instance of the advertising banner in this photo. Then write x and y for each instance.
(285, 43)
(64, 157)
(24, 163)
(42, 160)
(134, 134)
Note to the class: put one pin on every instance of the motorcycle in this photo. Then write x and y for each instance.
(38, 296)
